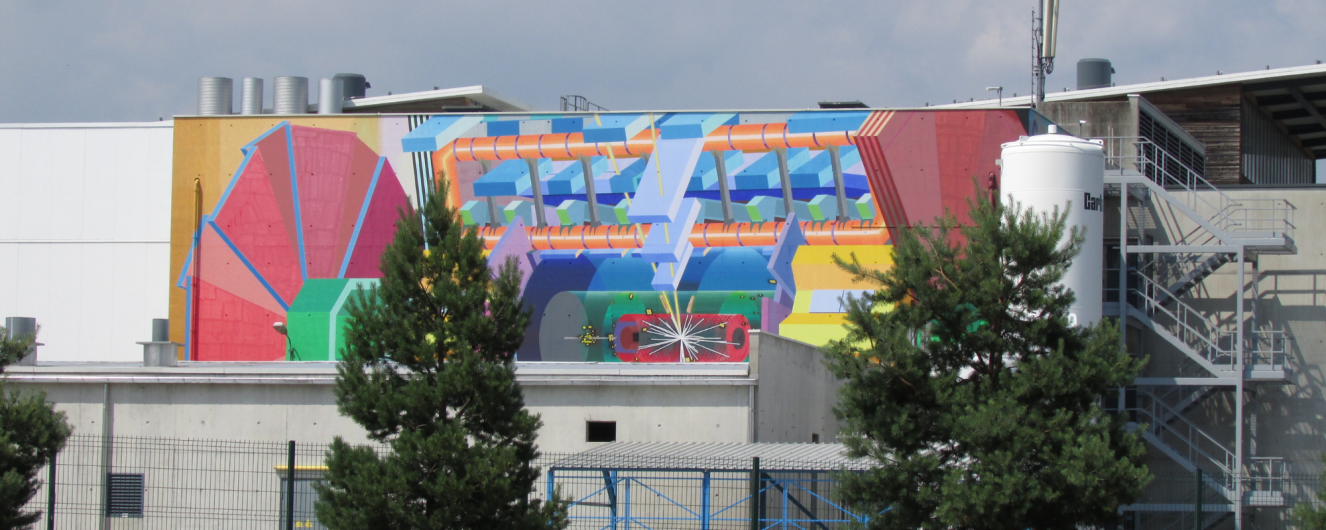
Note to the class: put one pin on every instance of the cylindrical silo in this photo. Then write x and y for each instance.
(1094, 73)
(353, 85)
(250, 96)
(290, 95)
(329, 96)
(215, 95)
(1050, 170)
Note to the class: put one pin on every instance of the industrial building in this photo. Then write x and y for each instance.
(1206, 256)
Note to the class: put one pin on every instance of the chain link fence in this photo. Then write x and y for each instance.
(149, 483)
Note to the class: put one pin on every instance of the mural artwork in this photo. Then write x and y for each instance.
(656, 238)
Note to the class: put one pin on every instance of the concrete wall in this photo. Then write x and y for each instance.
(792, 390)
(1104, 118)
(642, 413)
(796, 392)
(85, 234)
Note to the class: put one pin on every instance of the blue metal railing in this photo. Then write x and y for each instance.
(621, 499)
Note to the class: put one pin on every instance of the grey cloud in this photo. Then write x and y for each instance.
(139, 60)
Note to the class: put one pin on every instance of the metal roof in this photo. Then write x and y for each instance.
(1292, 97)
(713, 456)
(1315, 73)
(460, 98)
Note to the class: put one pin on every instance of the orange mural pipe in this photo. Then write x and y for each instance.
(704, 235)
(750, 137)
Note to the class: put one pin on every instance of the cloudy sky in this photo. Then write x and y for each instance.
(139, 60)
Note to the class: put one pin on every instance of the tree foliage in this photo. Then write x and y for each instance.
(1307, 514)
(428, 369)
(31, 433)
(966, 384)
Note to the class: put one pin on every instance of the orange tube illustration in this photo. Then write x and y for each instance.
(704, 235)
(750, 137)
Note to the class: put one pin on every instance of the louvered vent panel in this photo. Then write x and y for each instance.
(126, 495)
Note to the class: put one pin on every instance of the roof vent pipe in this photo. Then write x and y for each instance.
(250, 96)
(215, 95)
(1094, 73)
(290, 95)
(330, 96)
(353, 85)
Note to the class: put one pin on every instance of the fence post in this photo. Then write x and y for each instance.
(1197, 525)
(290, 490)
(704, 502)
(50, 496)
(755, 493)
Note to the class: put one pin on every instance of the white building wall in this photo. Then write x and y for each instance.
(84, 234)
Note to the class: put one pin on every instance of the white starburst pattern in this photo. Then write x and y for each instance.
(684, 332)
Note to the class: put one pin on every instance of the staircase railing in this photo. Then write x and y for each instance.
(1273, 216)
(1188, 325)
(1187, 441)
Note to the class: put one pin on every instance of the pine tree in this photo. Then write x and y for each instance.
(31, 433)
(428, 369)
(966, 385)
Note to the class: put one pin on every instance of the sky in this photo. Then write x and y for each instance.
(132, 60)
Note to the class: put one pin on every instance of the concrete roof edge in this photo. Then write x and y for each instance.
(166, 124)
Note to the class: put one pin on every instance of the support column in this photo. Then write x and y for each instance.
(786, 179)
(724, 194)
(1123, 283)
(536, 185)
(839, 185)
(590, 193)
(1238, 394)
(107, 453)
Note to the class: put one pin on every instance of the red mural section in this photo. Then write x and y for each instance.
(338, 212)
(921, 163)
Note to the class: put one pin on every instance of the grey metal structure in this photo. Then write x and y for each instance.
(250, 96)
(1094, 73)
(215, 95)
(290, 95)
(1208, 350)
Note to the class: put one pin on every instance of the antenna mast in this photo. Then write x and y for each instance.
(1044, 33)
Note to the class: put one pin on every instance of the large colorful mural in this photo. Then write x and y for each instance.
(643, 237)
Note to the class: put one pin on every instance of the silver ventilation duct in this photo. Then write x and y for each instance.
(215, 95)
(330, 96)
(290, 95)
(250, 96)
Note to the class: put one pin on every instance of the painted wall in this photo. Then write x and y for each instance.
(692, 230)
(84, 234)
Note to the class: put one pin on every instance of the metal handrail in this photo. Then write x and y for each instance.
(1205, 342)
(1226, 214)
(1195, 441)
(1266, 473)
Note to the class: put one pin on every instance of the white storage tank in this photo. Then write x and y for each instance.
(1053, 169)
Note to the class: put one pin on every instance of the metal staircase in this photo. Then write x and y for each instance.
(1220, 350)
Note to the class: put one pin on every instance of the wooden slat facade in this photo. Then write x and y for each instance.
(1214, 116)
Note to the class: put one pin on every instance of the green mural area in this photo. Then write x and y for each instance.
(317, 319)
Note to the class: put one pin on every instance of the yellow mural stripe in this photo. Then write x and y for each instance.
(658, 160)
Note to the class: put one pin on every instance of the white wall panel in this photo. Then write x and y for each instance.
(84, 234)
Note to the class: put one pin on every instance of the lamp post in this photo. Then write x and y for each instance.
(290, 346)
(999, 91)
